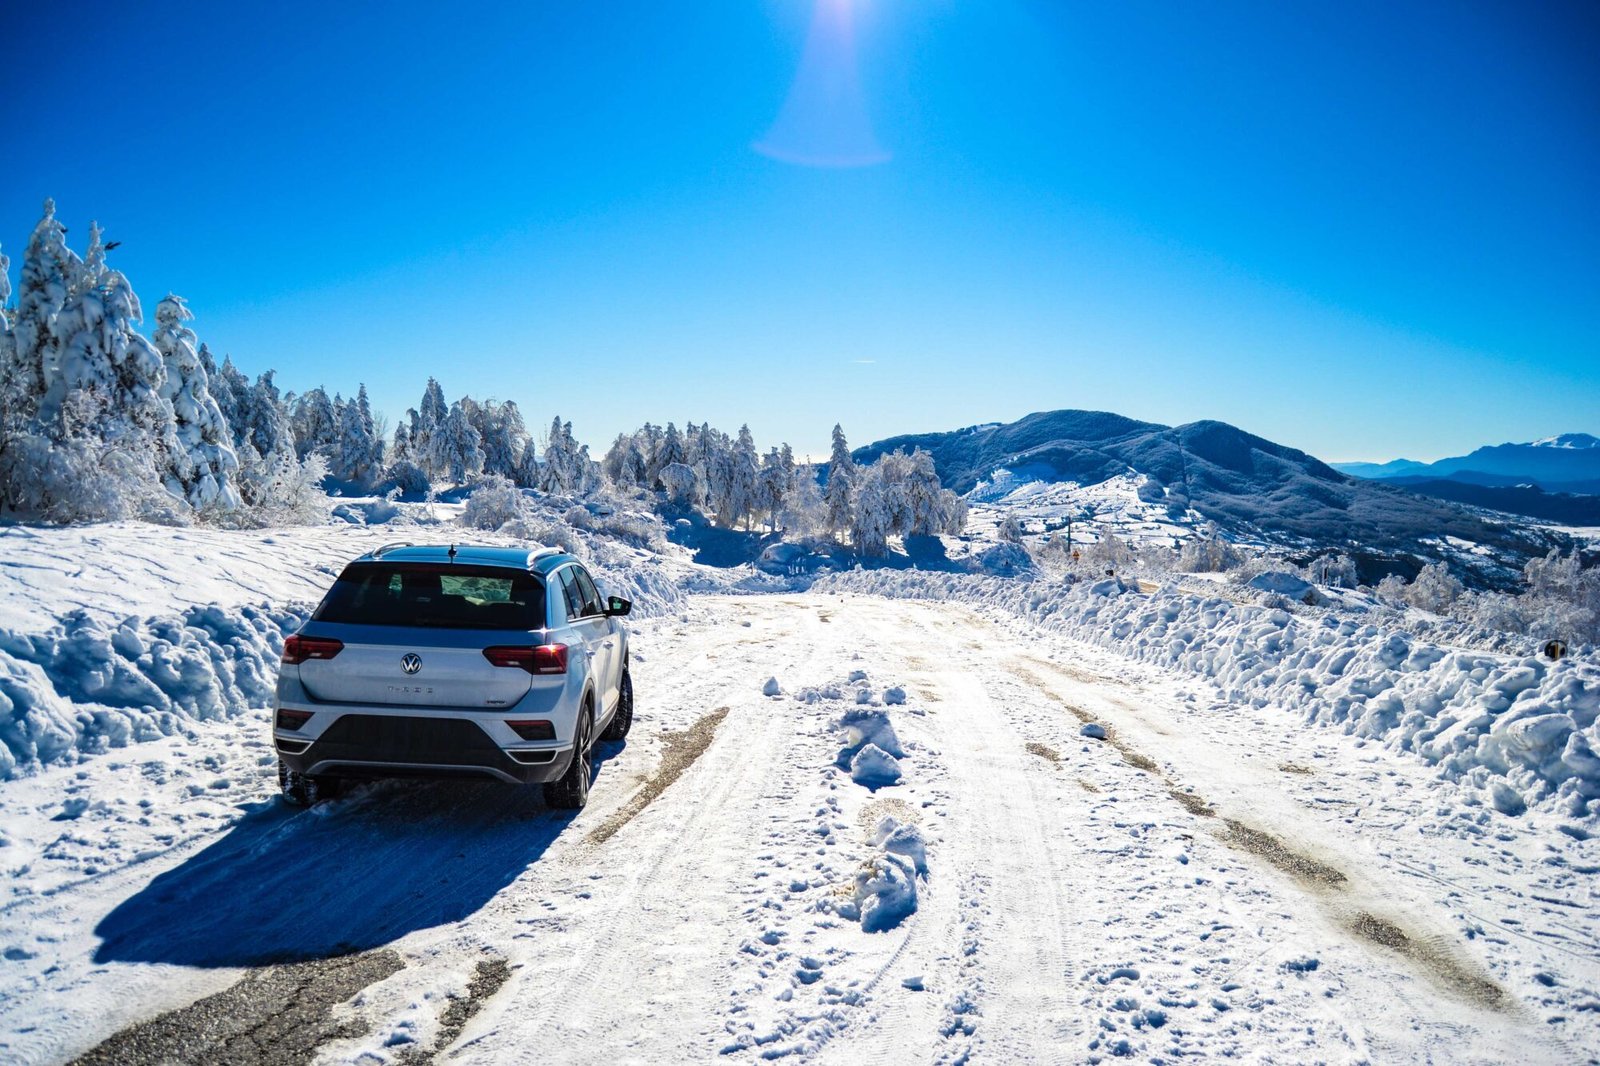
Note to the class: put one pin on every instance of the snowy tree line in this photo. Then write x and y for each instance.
(97, 421)
(726, 475)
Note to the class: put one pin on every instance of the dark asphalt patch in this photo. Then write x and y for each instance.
(273, 1016)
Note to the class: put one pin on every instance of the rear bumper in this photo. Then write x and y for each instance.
(380, 745)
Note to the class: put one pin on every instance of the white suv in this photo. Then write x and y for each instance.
(454, 660)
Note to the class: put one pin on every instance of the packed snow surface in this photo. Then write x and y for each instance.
(1261, 857)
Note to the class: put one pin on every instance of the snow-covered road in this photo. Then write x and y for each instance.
(1201, 879)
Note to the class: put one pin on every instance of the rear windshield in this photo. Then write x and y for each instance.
(441, 596)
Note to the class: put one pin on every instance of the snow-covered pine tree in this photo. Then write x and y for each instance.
(611, 462)
(101, 354)
(316, 429)
(358, 455)
(803, 508)
(456, 449)
(528, 466)
(840, 493)
(231, 390)
(49, 271)
(746, 472)
(872, 513)
(560, 472)
(204, 469)
(586, 472)
(635, 467)
(266, 419)
(671, 451)
(772, 486)
(8, 351)
(430, 416)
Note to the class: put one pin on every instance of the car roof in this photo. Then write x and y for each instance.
(537, 559)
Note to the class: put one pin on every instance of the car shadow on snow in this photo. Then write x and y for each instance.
(284, 885)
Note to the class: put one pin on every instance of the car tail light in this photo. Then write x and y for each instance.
(543, 659)
(538, 729)
(298, 649)
(293, 719)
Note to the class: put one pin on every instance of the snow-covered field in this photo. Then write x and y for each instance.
(965, 824)
(1111, 508)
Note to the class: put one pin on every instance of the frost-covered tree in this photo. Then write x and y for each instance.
(672, 450)
(563, 468)
(932, 509)
(872, 514)
(100, 352)
(773, 485)
(840, 493)
(316, 426)
(624, 464)
(804, 511)
(682, 484)
(1207, 553)
(1435, 589)
(1563, 597)
(1110, 552)
(358, 455)
(263, 417)
(203, 469)
(50, 270)
(455, 448)
(503, 435)
(231, 390)
(1335, 569)
(1010, 529)
(430, 416)
(744, 473)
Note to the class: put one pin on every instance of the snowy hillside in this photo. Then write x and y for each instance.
(1253, 489)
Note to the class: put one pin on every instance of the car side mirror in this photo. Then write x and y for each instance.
(617, 607)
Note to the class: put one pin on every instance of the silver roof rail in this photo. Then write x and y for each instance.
(544, 553)
(378, 553)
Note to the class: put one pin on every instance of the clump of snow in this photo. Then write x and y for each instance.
(771, 687)
(1530, 724)
(894, 695)
(1284, 584)
(1093, 730)
(874, 768)
(904, 840)
(885, 892)
(867, 727)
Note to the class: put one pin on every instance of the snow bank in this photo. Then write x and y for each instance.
(88, 684)
(1492, 721)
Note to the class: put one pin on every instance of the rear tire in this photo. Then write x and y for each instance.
(622, 718)
(304, 790)
(570, 791)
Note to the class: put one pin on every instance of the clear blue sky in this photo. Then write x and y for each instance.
(1362, 229)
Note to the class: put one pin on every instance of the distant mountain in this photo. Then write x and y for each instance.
(1561, 507)
(1556, 464)
(1244, 483)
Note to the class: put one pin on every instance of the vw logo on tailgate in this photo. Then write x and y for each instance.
(411, 662)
